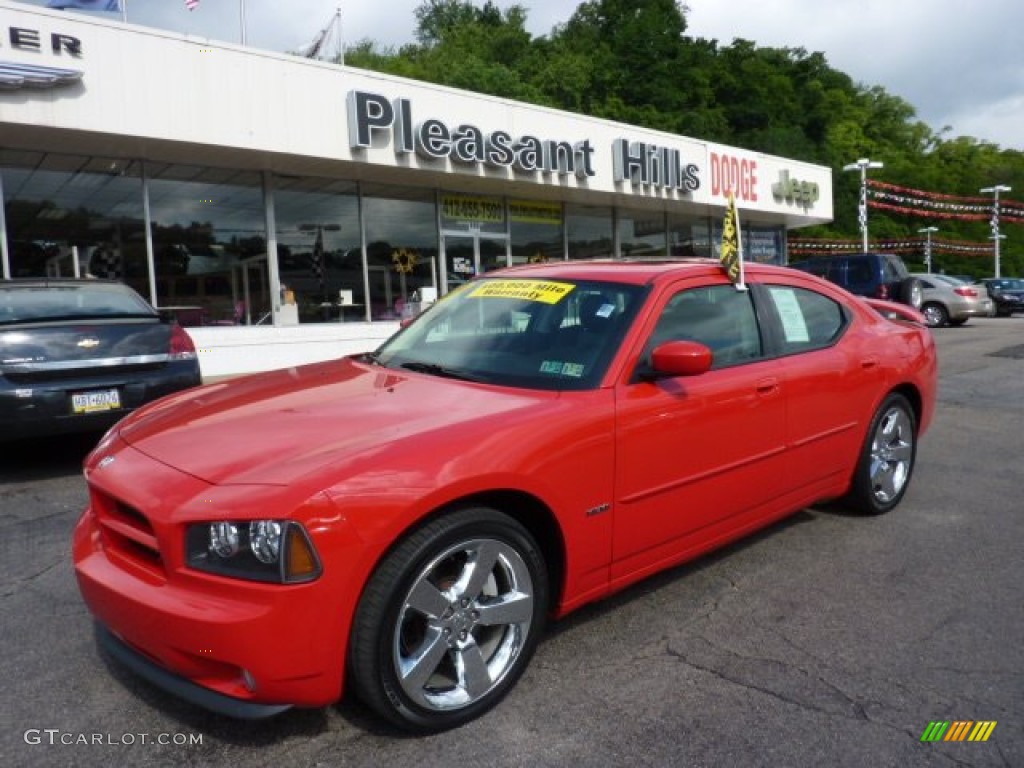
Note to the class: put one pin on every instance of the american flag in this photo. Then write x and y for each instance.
(191, 4)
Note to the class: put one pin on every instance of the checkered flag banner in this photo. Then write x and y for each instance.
(105, 262)
(317, 257)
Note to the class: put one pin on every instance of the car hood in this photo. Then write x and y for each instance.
(277, 427)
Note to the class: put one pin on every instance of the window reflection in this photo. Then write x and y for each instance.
(209, 261)
(689, 236)
(536, 232)
(401, 248)
(209, 246)
(642, 233)
(319, 253)
(57, 206)
(590, 232)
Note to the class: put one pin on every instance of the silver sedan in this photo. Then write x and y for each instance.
(950, 301)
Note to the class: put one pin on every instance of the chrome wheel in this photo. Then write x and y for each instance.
(449, 620)
(934, 315)
(892, 455)
(463, 624)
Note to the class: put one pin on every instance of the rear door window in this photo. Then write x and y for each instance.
(808, 319)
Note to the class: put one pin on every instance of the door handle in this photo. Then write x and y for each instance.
(869, 362)
(767, 386)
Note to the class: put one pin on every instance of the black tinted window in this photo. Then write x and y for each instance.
(24, 303)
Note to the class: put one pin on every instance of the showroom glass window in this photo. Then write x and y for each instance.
(760, 244)
(474, 226)
(589, 232)
(689, 236)
(765, 245)
(56, 204)
(319, 249)
(641, 233)
(209, 245)
(401, 246)
(536, 231)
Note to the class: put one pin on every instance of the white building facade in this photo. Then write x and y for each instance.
(288, 210)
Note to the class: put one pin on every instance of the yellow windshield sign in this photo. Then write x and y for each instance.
(528, 290)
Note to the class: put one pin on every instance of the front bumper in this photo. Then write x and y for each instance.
(977, 309)
(254, 648)
(179, 686)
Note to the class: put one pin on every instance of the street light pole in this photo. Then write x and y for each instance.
(928, 247)
(996, 237)
(862, 209)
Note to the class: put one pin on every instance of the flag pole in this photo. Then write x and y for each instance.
(124, 11)
(241, 18)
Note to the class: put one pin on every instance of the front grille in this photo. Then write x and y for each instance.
(128, 534)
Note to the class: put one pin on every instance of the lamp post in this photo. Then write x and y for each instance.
(928, 247)
(862, 210)
(996, 237)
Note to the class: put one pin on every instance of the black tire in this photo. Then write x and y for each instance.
(425, 611)
(886, 460)
(935, 315)
(912, 292)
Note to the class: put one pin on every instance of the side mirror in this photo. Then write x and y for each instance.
(681, 358)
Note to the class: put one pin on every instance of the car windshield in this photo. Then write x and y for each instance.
(43, 303)
(538, 334)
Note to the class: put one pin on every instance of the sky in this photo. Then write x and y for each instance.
(958, 64)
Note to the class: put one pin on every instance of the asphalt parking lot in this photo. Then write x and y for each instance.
(826, 640)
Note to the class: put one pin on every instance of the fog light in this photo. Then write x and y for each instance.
(265, 540)
(224, 539)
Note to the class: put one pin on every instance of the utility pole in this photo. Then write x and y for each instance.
(862, 210)
(928, 247)
(996, 237)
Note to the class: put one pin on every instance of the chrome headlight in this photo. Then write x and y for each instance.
(261, 550)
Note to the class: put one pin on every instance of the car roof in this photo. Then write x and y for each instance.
(637, 271)
(63, 282)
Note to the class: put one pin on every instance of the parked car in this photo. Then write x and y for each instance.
(879, 275)
(77, 355)
(1007, 293)
(401, 524)
(949, 301)
(969, 279)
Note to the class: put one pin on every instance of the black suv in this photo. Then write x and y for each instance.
(878, 275)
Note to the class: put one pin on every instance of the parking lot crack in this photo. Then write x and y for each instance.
(772, 677)
(12, 588)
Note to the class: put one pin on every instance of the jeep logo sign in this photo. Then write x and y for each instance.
(803, 193)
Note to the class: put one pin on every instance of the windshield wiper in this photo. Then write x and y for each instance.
(439, 370)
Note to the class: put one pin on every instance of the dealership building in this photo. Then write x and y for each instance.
(286, 209)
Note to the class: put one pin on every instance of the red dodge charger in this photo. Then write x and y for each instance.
(402, 523)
